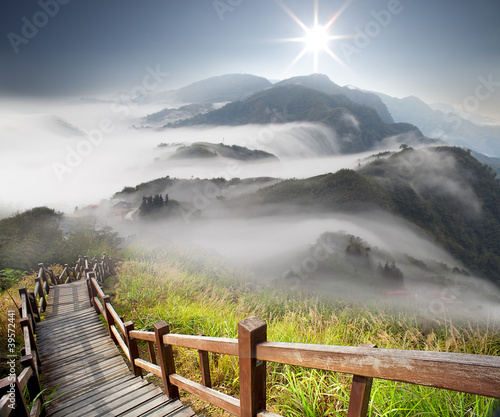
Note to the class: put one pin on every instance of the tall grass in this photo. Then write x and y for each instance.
(199, 294)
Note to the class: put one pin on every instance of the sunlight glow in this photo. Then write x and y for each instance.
(316, 38)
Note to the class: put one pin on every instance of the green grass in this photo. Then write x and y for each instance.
(197, 293)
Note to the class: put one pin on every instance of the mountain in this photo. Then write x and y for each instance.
(170, 115)
(444, 191)
(229, 87)
(358, 127)
(477, 119)
(322, 83)
(449, 126)
(492, 162)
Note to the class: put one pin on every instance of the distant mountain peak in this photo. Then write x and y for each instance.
(322, 83)
(222, 88)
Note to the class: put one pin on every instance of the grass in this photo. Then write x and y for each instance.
(199, 293)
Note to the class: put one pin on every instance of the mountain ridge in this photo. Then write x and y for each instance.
(358, 127)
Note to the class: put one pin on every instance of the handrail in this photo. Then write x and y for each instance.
(475, 374)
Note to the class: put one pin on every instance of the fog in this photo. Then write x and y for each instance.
(80, 153)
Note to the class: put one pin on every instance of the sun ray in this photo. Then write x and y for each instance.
(334, 18)
(317, 37)
(297, 59)
(291, 14)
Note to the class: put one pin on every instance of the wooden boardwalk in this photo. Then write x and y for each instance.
(80, 358)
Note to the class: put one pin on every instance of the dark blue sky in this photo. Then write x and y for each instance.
(435, 49)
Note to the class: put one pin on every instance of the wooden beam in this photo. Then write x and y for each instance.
(132, 348)
(213, 397)
(148, 366)
(166, 359)
(251, 332)
(360, 393)
(205, 368)
(474, 374)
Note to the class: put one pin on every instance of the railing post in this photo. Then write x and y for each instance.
(251, 332)
(166, 359)
(151, 351)
(33, 348)
(109, 318)
(41, 292)
(12, 388)
(132, 348)
(205, 368)
(33, 386)
(34, 306)
(89, 288)
(360, 393)
(26, 307)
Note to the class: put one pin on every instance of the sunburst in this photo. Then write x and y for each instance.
(317, 38)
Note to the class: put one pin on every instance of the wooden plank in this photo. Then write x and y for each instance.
(24, 376)
(87, 373)
(94, 393)
(71, 366)
(149, 367)
(209, 395)
(173, 409)
(93, 401)
(74, 391)
(113, 402)
(142, 335)
(210, 344)
(155, 403)
(116, 318)
(136, 401)
(475, 374)
(121, 342)
(77, 351)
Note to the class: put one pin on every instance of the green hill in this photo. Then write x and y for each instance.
(205, 150)
(447, 193)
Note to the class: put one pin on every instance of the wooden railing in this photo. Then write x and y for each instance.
(474, 374)
(33, 303)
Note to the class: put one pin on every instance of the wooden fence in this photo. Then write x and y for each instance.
(33, 304)
(475, 374)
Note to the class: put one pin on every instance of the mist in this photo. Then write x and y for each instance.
(82, 152)
(73, 154)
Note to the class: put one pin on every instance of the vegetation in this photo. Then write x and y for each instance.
(44, 235)
(210, 150)
(198, 293)
(446, 192)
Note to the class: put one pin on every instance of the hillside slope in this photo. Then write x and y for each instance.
(358, 127)
(446, 192)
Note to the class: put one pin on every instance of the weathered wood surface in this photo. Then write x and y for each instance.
(79, 357)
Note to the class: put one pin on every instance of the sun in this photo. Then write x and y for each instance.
(316, 38)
